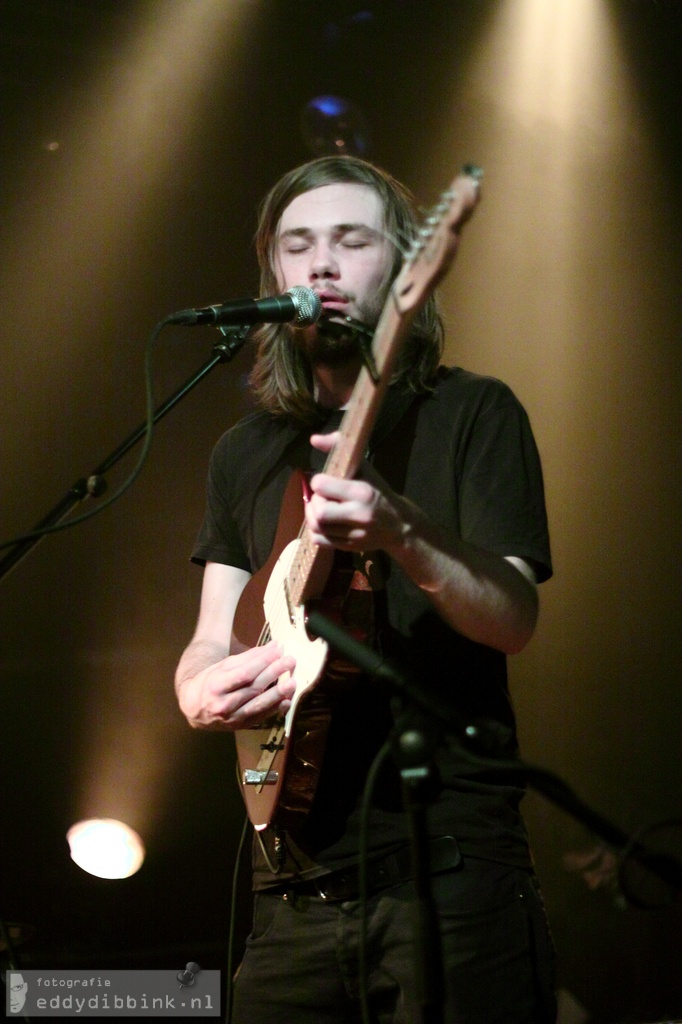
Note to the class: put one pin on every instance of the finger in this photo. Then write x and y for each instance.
(263, 697)
(275, 700)
(326, 523)
(336, 488)
(325, 442)
(275, 673)
(259, 667)
(259, 654)
(340, 537)
(228, 696)
(339, 518)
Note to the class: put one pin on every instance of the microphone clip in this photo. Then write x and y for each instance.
(232, 342)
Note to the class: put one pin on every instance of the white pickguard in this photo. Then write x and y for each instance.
(287, 627)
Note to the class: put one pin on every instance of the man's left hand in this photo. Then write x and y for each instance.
(355, 515)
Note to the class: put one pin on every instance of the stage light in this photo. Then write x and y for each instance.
(546, 103)
(106, 848)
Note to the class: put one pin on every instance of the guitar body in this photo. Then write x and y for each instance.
(279, 762)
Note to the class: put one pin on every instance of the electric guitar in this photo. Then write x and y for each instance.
(279, 761)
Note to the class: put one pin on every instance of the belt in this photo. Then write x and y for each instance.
(393, 869)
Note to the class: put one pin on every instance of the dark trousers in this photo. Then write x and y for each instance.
(301, 960)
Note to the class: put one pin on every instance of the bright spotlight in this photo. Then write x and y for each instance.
(105, 847)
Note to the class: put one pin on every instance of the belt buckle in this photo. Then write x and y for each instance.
(333, 889)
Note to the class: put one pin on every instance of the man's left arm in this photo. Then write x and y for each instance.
(486, 597)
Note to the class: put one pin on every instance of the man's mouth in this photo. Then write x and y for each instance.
(333, 300)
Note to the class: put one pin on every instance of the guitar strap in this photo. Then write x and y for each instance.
(393, 436)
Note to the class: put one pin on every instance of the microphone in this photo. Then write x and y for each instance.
(300, 305)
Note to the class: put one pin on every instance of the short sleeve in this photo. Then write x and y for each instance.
(219, 538)
(501, 490)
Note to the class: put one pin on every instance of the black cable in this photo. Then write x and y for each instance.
(365, 809)
(232, 922)
(137, 469)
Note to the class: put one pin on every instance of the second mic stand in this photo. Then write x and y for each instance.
(413, 743)
(414, 747)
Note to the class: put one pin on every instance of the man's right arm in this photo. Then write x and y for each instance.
(220, 690)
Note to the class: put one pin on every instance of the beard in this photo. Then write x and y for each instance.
(330, 343)
(334, 340)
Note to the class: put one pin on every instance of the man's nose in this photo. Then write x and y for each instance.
(323, 263)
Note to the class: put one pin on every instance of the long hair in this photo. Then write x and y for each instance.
(281, 378)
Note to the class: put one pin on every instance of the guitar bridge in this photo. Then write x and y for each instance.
(254, 777)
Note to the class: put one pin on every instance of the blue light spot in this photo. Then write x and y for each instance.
(330, 106)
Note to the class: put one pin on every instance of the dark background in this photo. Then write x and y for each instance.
(137, 138)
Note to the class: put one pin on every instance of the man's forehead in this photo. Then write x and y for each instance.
(333, 205)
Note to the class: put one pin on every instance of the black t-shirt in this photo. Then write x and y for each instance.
(466, 455)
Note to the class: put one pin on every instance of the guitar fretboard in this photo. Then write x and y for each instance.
(355, 429)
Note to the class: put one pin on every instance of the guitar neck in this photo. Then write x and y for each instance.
(354, 433)
(368, 395)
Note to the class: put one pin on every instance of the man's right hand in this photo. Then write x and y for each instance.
(238, 691)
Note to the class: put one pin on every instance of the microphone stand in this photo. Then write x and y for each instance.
(413, 745)
(95, 484)
(417, 735)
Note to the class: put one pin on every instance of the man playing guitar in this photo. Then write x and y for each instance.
(442, 536)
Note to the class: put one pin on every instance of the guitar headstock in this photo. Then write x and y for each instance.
(435, 244)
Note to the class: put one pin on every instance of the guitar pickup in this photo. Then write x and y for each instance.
(290, 607)
(254, 777)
